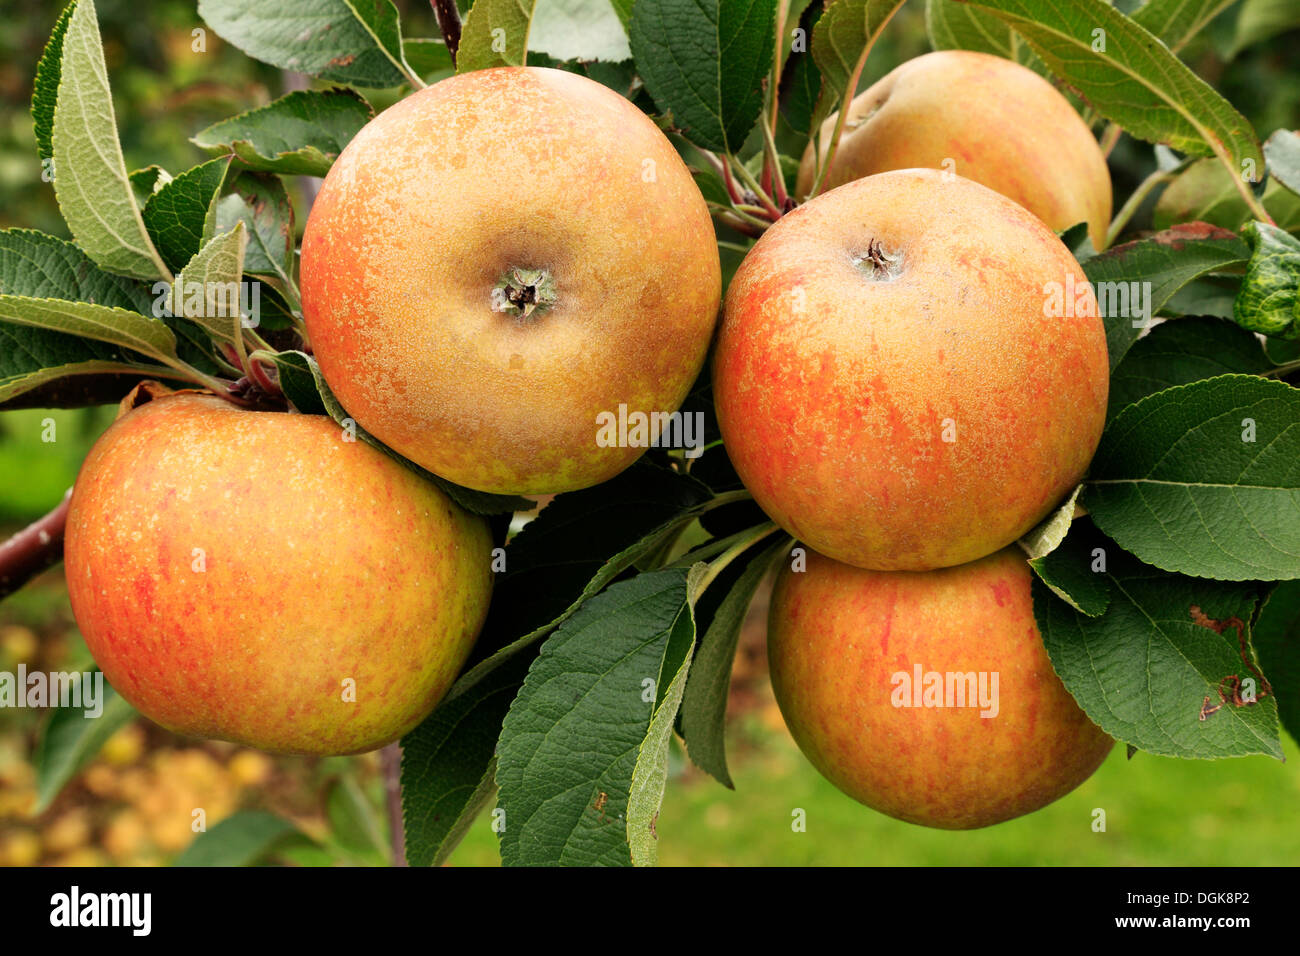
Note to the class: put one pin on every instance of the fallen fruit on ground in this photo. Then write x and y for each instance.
(497, 260)
(928, 695)
(253, 577)
(910, 371)
(981, 117)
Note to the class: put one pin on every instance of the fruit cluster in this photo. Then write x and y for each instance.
(889, 385)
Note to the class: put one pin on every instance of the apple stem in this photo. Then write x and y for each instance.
(1109, 138)
(778, 61)
(257, 372)
(773, 156)
(1135, 201)
(759, 193)
(733, 190)
(743, 542)
(390, 762)
(448, 17)
(734, 219)
(33, 549)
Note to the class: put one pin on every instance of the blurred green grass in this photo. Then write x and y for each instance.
(41, 451)
(1159, 812)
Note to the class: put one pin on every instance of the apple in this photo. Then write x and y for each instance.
(253, 577)
(984, 118)
(927, 695)
(910, 371)
(499, 259)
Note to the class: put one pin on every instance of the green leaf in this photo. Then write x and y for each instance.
(297, 382)
(1259, 20)
(477, 502)
(90, 179)
(803, 103)
(260, 202)
(577, 545)
(1282, 153)
(1166, 261)
(1047, 535)
(38, 266)
(208, 289)
(45, 90)
(704, 708)
(1204, 479)
(1205, 192)
(1077, 240)
(353, 822)
(322, 38)
(1177, 21)
(70, 740)
(16, 383)
(570, 742)
(427, 56)
(495, 33)
(1074, 570)
(704, 63)
(381, 20)
(302, 133)
(242, 839)
(583, 30)
(148, 336)
(959, 26)
(1281, 351)
(1135, 82)
(145, 182)
(844, 36)
(1183, 351)
(650, 773)
(182, 214)
(1269, 299)
(797, 12)
(1147, 668)
(448, 765)
(1277, 639)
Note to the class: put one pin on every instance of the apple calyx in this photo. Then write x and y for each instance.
(523, 292)
(878, 264)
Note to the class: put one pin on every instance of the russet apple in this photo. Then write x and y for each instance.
(253, 577)
(927, 695)
(499, 259)
(910, 371)
(984, 118)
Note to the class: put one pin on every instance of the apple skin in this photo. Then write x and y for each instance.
(833, 387)
(837, 635)
(323, 560)
(442, 195)
(1002, 124)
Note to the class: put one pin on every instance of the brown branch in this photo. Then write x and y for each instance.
(448, 17)
(32, 550)
(390, 760)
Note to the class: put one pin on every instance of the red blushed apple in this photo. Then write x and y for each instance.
(984, 118)
(910, 371)
(499, 259)
(253, 577)
(928, 695)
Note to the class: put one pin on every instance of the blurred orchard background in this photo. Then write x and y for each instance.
(132, 804)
